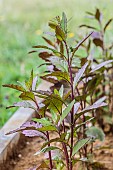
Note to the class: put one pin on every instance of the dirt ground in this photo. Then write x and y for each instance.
(25, 158)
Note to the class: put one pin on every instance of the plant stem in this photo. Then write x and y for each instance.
(72, 111)
(65, 149)
(50, 158)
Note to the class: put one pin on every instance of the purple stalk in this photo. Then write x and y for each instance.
(50, 158)
(72, 111)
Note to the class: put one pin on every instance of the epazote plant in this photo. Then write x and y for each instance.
(105, 53)
(68, 102)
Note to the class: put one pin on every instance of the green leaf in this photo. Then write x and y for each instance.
(42, 110)
(43, 165)
(79, 144)
(54, 103)
(60, 34)
(52, 25)
(17, 87)
(43, 121)
(60, 75)
(95, 132)
(47, 128)
(79, 125)
(27, 96)
(61, 91)
(46, 149)
(29, 82)
(101, 65)
(51, 141)
(66, 111)
(45, 47)
(64, 23)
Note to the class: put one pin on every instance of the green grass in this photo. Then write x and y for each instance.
(21, 23)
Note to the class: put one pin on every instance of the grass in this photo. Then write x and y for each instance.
(22, 23)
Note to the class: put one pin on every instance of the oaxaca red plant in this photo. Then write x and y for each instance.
(67, 102)
(105, 53)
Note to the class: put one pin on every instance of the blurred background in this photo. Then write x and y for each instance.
(22, 23)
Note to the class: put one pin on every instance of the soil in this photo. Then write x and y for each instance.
(24, 158)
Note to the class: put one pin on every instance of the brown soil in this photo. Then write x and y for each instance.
(25, 158)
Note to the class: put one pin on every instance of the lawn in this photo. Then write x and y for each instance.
(22, 23)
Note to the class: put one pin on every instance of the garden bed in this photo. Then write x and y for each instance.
(25, 159)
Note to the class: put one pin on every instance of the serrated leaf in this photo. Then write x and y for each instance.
(80, 74)
(66, 111)
(101, 65)
(17, 87)
(79, 144)
(107, 24)
(27, 96)
(95, 132)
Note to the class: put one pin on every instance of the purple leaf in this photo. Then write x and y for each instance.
(26, 125)
(33, 133)
(50, 33)
(34, 83)
(24, 104)
(80, 74)
(101, 65)
(95, 35)
(50, 68)
(76, 107)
